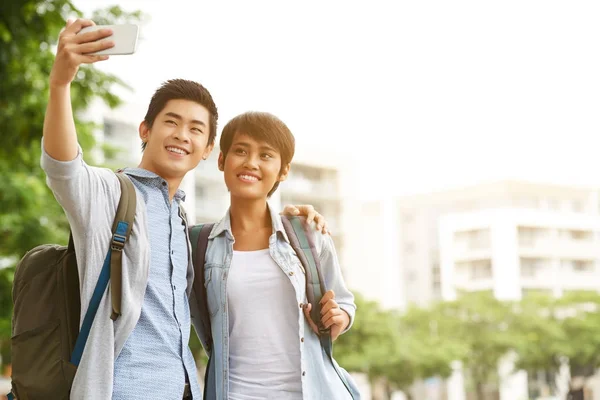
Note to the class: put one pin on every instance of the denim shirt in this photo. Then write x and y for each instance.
(319, 377)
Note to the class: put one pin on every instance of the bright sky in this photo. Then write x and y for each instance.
(417, 95)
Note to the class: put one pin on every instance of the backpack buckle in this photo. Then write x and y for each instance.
(118, 242)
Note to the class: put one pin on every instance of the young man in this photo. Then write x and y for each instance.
(144, 354)
(263, 345)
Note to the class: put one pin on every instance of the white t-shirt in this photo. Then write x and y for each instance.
(264, 345)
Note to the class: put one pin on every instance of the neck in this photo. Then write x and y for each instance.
(173, 181)
(249, 215)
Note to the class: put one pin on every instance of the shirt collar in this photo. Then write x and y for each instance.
(225, 225)
(144, 173)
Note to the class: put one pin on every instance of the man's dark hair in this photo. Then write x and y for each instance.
(182, 89)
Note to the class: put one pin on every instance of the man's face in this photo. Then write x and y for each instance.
(251, 168)
(178, 139)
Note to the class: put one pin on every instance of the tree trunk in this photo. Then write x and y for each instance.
(479, 390)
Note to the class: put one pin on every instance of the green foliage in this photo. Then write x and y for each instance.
(29, 214)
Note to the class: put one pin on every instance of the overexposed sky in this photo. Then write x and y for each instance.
(416, 96)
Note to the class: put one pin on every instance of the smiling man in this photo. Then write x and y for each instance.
(144, 353)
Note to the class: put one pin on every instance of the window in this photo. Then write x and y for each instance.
(531, 267)
(583, 266)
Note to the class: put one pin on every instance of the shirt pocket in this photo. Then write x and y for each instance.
(213, 282)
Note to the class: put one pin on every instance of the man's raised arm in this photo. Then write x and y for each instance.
(60, 137)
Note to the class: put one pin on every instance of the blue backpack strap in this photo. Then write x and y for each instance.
(301, 239)
(121, 231)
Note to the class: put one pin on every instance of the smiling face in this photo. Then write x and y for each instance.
(252, 167)
(178, 139)
(263, 142)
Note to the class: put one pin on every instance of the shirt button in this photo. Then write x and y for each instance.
(302, 340)
(172, 251)
(303, 373)
(164, 183)
(301, 305)
(174, 287)
(291, 273)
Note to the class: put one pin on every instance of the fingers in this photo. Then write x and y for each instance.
(93, 36)
(321, 223)
(306, 308)
(329, 295)
(73, 27)
(93, 47)
(331, 304)
(310, 214)
(290, 210)
(92, 58)
(333, 317)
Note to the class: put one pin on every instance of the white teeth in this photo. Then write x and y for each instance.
(176, 150)
(249, 178)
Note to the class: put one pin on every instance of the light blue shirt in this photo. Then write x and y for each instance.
(319, 374)
(156, 355)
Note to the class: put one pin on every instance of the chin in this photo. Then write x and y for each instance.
(242, 194)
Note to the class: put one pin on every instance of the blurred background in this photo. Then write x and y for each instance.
(451, 145)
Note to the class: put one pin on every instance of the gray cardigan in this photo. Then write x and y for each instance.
(90, 196)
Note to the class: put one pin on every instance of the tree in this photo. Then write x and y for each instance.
(539, 337)
(29, 214)
(481, 324)
(579, 313)
(552, 331)
(398, 349)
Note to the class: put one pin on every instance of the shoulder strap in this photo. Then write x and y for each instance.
(121, 229)
(301, 238)
(111, 269)
(199, 239)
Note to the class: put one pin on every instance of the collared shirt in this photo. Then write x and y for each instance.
(156, 355)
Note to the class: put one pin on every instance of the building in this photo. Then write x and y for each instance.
(534, 238)
(508, 237)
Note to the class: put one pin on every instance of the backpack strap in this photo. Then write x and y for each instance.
(199, 239)
(301, 237)
(121, 229)
(112, 265)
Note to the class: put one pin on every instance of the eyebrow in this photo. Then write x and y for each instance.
(246, 144)
(180, 118)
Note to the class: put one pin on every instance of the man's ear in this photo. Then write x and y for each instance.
(221, 163)
(144, 131)
(285, 171)
(207, 151)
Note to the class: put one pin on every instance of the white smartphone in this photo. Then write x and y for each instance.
(124, 36)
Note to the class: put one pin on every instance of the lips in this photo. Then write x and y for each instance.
(177, 150)
(248, 177)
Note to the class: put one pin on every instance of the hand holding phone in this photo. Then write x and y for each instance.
(123, 36)
(75, 49)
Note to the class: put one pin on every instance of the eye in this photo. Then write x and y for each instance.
(266, 156)
(170, 122)
(240, 151)
(197, 130)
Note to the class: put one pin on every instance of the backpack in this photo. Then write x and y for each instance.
(46, 342)
(301, 239)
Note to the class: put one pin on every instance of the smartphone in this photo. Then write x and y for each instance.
(124, 36)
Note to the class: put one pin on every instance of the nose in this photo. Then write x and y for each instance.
(181, 134)
(251, 162)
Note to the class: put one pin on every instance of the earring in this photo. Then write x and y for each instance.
(204, 157)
